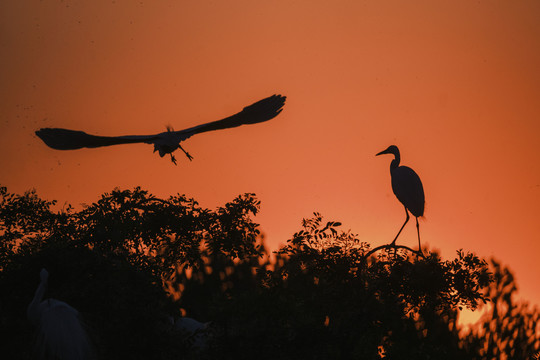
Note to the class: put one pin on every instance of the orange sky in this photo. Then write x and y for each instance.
(456, 85)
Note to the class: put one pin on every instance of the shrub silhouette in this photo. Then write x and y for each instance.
(131, 260)
(508, 329)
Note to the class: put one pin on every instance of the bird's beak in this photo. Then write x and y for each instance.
(382, 152)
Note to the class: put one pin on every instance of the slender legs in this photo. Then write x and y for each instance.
(185, 152)
(405, 223)
(417, 230)
(173, 159)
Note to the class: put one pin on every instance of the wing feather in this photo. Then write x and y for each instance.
(263, 110)
(408, 188)
(64, 139)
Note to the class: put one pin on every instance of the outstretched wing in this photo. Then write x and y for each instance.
(64, 139)
(262, 110)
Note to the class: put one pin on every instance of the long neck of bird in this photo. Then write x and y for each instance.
(32, 311)
(395, 163)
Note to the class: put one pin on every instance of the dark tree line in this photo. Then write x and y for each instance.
(130, 260)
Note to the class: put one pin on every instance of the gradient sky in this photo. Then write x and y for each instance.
(455, 84)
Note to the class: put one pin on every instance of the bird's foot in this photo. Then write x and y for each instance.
(185, 152)
(173, 159)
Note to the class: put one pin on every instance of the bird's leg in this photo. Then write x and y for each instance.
(418, 231)
(399, 232)
(185, 152)
(173, 159)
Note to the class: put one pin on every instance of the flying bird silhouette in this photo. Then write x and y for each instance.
(61, 334)
(166, 142)
(407, 187)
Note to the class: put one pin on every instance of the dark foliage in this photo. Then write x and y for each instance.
(131, 260)
(509, 329)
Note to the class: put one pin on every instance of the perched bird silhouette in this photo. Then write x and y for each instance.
(166, 142)
(408, 189)
(61, 334)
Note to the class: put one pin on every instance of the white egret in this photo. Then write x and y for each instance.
(61, 334)
(408, 188)
(166, 142)
(198, 333)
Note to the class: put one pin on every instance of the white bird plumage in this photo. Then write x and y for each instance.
(61, 334)
(166, 142)
(197, 332)
(407, 187)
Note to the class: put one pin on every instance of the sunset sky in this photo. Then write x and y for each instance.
(454, 84)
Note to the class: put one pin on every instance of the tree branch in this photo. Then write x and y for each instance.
(390, 246)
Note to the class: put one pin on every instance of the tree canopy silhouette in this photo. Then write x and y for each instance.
(131, 260)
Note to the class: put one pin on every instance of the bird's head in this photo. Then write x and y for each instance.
(392, 149)
(44, 275)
